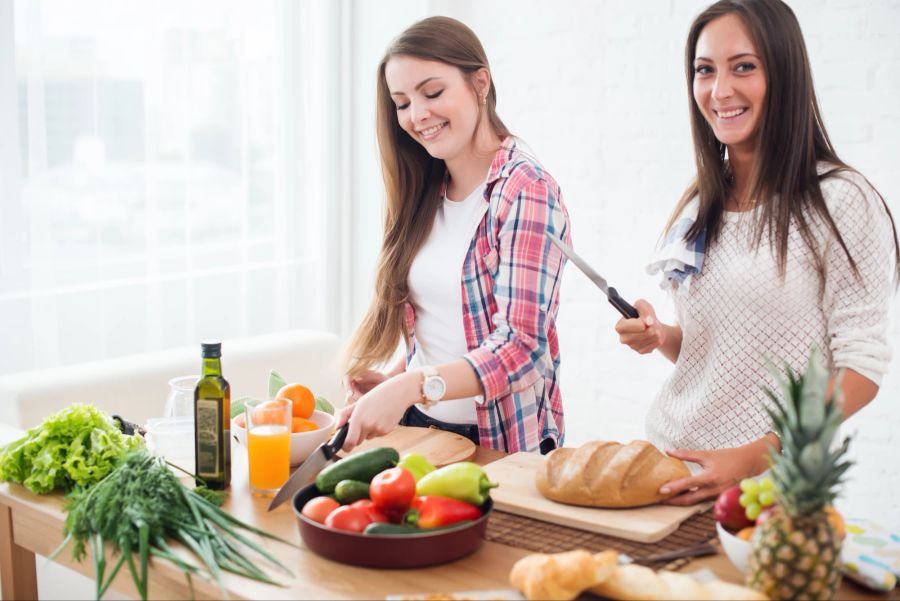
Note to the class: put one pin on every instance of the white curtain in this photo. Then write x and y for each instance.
(171, 172)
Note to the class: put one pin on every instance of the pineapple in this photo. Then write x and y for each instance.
(796, 551)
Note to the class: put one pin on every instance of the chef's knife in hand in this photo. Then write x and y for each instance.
(323, 456)
(615, 300)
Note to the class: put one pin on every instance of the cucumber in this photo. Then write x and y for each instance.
(348, 491)
(405, 529)
(360, 466)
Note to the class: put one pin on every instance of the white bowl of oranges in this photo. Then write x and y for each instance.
(310, 427)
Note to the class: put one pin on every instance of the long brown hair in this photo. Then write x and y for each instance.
(412, 181)
(791, 140)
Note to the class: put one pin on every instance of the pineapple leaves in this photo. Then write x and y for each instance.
(814, 388)
(786, 384)
(810, 468)
(812, 457)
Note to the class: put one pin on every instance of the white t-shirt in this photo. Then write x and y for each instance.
(435, 289)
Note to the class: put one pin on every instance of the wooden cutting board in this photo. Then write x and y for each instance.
(518, 494)
(438, 446)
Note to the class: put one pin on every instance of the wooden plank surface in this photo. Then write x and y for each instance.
(518, 494)
(18, 577)
(437, 446)
(41, 519)
(38, 520)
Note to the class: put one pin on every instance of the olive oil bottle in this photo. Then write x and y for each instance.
(212, 421)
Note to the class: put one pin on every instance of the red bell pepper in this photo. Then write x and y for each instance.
(432, 511)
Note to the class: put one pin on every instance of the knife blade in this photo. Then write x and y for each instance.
(621, 305)
(324, 455)
(700, 550)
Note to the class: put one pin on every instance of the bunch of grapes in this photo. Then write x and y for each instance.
(756, 495)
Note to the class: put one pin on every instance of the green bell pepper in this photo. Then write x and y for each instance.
(416, 464)
(465, 481)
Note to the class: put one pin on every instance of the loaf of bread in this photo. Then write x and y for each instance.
(634, 583)
(564, 576)
(608, 474)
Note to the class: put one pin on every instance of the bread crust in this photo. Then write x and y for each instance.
(563, 576)
(608, 474)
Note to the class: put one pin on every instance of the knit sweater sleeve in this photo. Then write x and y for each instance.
(857, 305)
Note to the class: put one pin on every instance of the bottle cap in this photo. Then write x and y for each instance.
(211, 349)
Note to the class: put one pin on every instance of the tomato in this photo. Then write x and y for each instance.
(353, 519)
(375, 514)
(318, 509)
(393, 489)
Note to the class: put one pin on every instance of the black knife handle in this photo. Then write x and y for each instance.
(621, 304)
(337, 441)
(127, 427)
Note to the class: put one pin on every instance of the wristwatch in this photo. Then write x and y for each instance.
(433, 386)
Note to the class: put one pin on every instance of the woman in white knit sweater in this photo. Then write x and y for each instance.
(776, 247)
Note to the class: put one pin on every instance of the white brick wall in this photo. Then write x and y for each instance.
(597, 90)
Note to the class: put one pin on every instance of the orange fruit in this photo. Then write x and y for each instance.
(299, 424)
(241, 420)
(745, 533)
(837, 521)
(269, 412)
(302, 399)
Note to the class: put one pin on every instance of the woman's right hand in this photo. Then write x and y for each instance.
(357, 386)
(644, 333)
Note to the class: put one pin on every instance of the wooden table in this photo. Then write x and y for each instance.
(32, 524)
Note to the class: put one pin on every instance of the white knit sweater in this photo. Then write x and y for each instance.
(738, 312)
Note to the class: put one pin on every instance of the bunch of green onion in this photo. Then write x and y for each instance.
(140, 505)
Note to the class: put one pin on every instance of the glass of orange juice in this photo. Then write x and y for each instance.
(268, 445)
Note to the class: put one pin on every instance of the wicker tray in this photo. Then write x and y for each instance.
(543, 537)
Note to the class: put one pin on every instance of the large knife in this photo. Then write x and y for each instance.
(323, 456)
(615, 300)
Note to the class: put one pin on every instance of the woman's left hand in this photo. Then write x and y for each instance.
(361, 384)
(378, 411)
(722, 469)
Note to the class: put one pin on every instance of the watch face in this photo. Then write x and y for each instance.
(434, 388)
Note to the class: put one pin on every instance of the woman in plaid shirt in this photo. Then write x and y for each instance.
(467, 275)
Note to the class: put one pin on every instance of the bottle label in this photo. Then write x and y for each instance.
(208, 438)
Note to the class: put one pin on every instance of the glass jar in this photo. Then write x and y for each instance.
(180, 402)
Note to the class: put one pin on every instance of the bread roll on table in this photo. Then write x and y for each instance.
(636, 583)
(563, 576)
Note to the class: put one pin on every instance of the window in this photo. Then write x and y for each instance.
(151, 195)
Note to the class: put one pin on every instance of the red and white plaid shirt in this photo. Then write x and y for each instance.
(510, 291)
